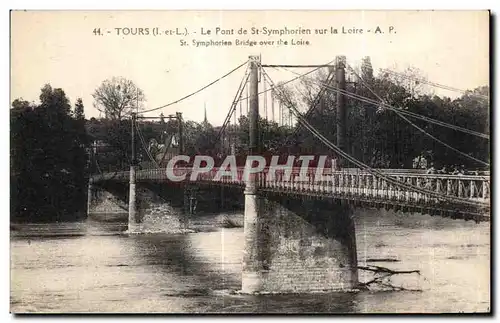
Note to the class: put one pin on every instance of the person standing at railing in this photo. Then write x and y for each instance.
(442, 170)
(431, 170)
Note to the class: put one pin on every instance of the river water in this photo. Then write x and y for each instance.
(92, 266)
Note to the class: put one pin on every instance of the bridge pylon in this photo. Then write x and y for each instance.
(132, 199)
(292, 245)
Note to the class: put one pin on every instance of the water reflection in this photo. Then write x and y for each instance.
(92, 267)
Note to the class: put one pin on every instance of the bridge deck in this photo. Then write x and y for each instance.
(357, 186)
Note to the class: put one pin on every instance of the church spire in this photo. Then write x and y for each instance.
(205, 120)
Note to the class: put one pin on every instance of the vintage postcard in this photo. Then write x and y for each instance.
(250, 162)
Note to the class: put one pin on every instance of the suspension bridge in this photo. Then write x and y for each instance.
(299, 232)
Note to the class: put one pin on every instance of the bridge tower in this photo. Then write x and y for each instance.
(132, 202)
(341, 106)
(90, 191)
(252, 267)
(293, 243)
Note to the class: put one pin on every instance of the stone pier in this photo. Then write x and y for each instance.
(156, 210)
(298, 246)
(133, 216)
(106, 203)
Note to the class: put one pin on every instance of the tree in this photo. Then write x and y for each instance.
(79, 110)
(54, 101)
(411, 79)
(79, 116)
(20, 105)
(118, 98)
(379, 137)
(367, 69)
(48, 160)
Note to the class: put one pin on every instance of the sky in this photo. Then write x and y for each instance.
(61, 48)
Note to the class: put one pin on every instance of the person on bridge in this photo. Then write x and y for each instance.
(431, 170)
(442, 170)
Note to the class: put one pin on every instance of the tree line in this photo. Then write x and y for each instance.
(54, 148)
(49, 166)
(380, 138)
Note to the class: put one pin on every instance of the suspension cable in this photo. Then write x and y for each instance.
(116, 171)
(408, 113)
(290, 80)
(197, 91)
(442, 86)
(312, 108)
(144, 147)
(414, 125)
(370, 170)
(399, 112)
(166, 150)
(234, 104)
(97, 165)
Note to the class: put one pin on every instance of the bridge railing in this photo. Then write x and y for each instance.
(329, 182)
(364, 184)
